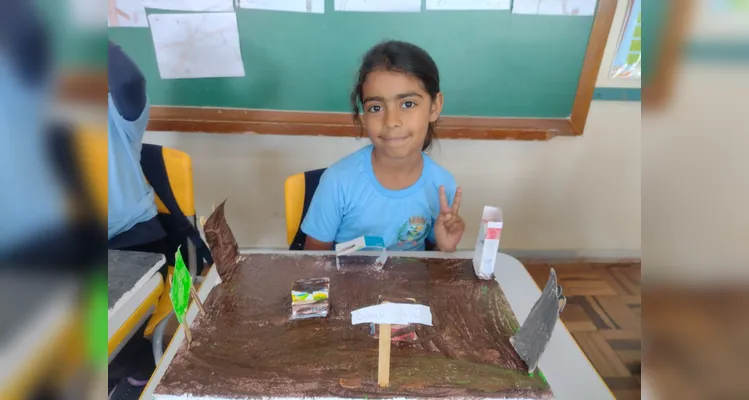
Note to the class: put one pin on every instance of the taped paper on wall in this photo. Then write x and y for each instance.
(555, 7)
(127, 13)
(308, 6)
(468, 5)
(378, 5)
(197, 45)
(85, 14)
(191, 5)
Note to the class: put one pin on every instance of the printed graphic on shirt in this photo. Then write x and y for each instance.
(412, 233)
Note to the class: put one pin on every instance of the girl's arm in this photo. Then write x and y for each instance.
(313, 244)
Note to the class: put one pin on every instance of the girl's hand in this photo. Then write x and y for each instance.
(448, 230)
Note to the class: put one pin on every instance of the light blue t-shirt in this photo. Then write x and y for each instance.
(131, 198)
(33, 200)
(350, 202)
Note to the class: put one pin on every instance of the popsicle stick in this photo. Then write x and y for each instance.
(194, 295)
(383, 368)
(188, 334)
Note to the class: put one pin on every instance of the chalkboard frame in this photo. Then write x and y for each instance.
(238, 121)
(658, 85)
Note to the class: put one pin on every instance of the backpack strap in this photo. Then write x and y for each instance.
(154, 168)
(311, 181)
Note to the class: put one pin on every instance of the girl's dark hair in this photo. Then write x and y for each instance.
(401, 57)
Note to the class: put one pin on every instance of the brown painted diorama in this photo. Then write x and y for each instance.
(398, 333)
(247, 345)
(221, 242)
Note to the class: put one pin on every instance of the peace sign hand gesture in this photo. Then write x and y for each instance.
(448, 230)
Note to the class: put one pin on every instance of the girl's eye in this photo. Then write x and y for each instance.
(408, 104)
(374, 109)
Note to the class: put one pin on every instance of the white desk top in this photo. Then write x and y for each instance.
(37, 324)
(569, 373)
(123, 264)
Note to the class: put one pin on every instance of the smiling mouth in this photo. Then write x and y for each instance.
(394, 139)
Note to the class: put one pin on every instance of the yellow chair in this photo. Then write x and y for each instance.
(90, 144)
(91, 151)
(298, 192)
(294, 202)
(179, 170)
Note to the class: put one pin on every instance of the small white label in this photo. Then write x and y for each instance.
(393, 313)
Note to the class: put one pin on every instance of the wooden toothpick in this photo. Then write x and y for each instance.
(188, 334)
(383, 367)
(194, 295)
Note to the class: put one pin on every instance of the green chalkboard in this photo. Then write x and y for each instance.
(73, 46)
(492, 64)
(654, 22)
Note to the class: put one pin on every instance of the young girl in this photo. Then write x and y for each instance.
(391, 188)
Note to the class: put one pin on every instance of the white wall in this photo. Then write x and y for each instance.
(578, 195)
(695, 178)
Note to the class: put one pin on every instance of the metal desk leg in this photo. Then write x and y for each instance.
(157, 342)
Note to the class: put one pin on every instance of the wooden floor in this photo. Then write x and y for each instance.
(603, 314)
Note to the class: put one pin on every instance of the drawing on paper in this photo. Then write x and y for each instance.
(191, 5)
(378, 5)
(555, 7)
(197, 45)
(308, 6)
(468, 5)
(126, 13)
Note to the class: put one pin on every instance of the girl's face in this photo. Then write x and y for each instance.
(397, 112)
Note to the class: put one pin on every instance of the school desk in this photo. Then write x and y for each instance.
(135, 286)
(569, 373)
(40, 332)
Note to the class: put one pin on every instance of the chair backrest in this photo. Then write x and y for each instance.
(179, 171)
(298, 192)
(169, 172)
(90, 144)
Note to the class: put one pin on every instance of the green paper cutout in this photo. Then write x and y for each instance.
(180, 291)
(96, 320)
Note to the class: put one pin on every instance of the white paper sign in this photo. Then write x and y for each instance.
(308, 6)
(393, 313)
(468, 4)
